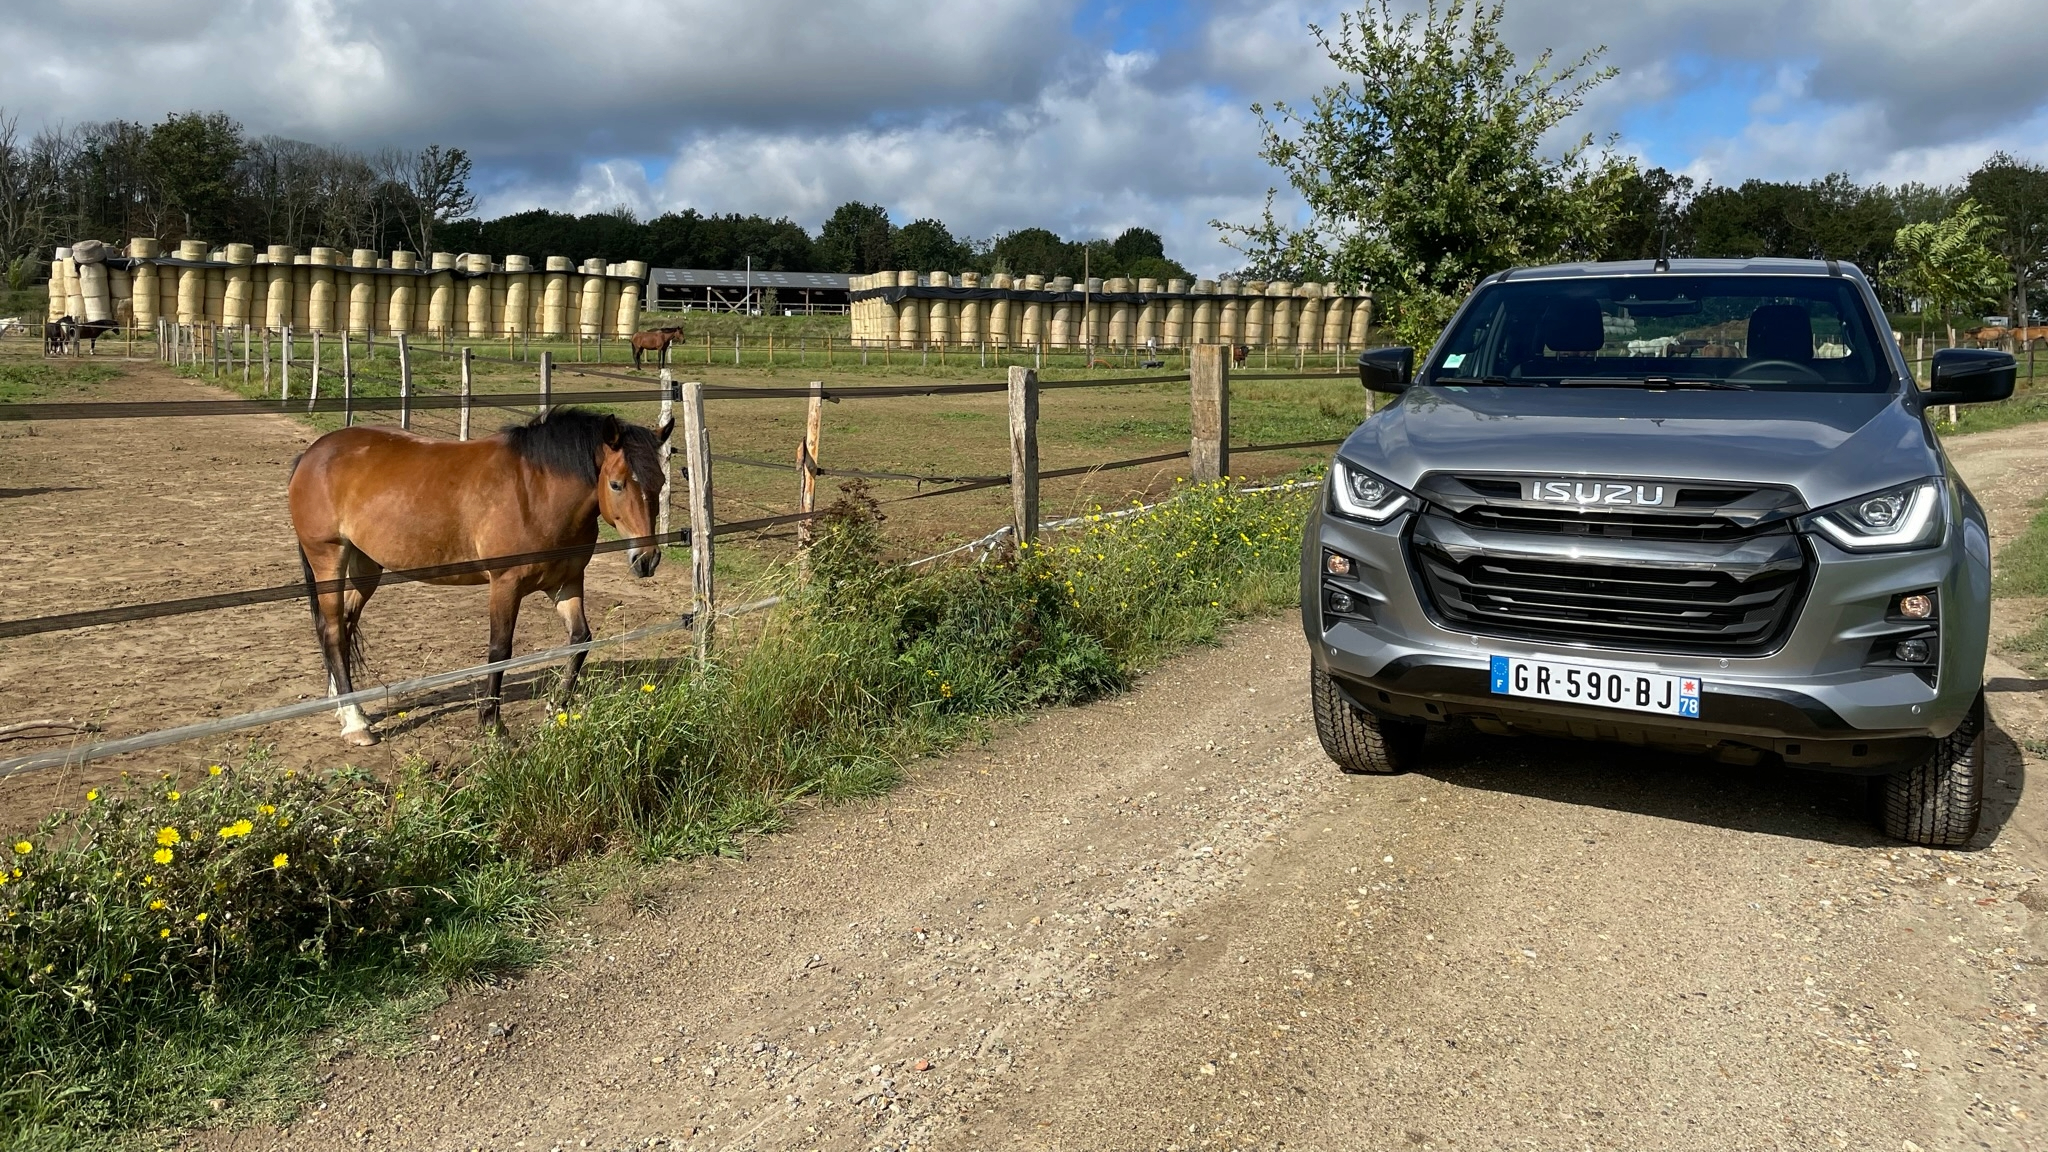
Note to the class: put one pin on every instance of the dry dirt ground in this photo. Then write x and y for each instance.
(106, 512)
(1166, 922)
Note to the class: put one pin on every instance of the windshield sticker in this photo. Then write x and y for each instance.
(1454, 359)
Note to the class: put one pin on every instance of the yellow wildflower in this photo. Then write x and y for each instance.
(167, 836)
(561, 719)
(266, 809)
(173, 796)
(647, 687)
(280, 861)
(284, 821)
(163, 933)
(213, 769)
(238, 828)
(156, 905)
(92, 795)
(23, 847)
(162, 856)
(199, 919)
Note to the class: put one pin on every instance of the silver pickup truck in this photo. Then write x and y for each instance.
(1690, 505)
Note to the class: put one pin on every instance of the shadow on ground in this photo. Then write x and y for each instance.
(1769, 798)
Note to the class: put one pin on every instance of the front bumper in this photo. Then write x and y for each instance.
(1816, 700)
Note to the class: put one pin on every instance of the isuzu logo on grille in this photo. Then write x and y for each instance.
(1597, 493)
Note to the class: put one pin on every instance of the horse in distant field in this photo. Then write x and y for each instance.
(57, 336)
(655, 340)
(89, 333)
(367, 499)
(1239, 354)
(12, 324)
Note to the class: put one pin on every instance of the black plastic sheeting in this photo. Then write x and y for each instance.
(892, 295)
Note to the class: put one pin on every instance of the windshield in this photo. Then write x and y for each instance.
(1778, 333)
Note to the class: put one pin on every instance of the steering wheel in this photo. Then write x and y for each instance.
(1756, 366)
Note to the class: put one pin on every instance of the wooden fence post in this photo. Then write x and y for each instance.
(807, 462)
(266, 361)
(313, 393)
(1024, 452)
(245, 354)
(348, 386)
(1209, 413)
(668, 451)
(463, 429)
(697, 459)
(547, 380)
(284, 369)
(404, 382)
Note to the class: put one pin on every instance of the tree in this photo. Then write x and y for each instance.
(928, 246)
(1649, 216)
(1424, 169)
(1033, 251)
(432, 187)
(25, 194)
(856, 239)
(2017, 193)
(1948, 265)
(195, 158)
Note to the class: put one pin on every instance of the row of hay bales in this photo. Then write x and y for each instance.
(1169, 315)
(465, 296)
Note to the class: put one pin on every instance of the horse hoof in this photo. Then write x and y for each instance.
(361, 738)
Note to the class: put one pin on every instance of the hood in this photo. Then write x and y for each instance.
(1827, 446)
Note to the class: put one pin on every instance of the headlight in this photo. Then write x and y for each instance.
(1909, 516)
(1363, 496)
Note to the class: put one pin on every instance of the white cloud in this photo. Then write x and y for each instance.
(1005, 113)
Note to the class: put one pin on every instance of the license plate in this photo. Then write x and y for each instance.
(1596, 684)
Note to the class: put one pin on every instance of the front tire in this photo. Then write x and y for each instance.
(1938, 802)
(1361, 742)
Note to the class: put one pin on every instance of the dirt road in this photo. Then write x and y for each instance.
(1165, 922)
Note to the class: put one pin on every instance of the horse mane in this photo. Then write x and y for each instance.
(566, 440)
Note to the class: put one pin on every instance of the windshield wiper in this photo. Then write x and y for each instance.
(1655, 382)
(1490, 381)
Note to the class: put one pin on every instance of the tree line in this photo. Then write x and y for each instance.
(1426, 169)
(202, 175)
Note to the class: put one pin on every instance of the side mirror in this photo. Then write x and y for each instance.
(1391, 369)
(1970, 376)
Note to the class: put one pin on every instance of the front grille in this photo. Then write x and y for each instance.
(1565, 521)
(1709, 592)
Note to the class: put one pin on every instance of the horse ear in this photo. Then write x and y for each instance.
(613, 431)
(662, 433)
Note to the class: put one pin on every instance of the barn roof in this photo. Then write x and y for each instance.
(720, 278)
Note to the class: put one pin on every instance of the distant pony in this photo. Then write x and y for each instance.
(655, 340)
(57, 336)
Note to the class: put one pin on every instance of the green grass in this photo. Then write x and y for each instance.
(2024, 408)
(2022, 570)
(34, 380)
(146, 972)
(2023, 564)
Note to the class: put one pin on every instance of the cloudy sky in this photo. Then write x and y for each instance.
(1000, 114)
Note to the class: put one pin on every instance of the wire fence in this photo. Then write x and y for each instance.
(1208, 449)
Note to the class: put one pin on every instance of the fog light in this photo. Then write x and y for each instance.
(1336, 565)
(1916, 606)
(1911, 651)
(1340, 601)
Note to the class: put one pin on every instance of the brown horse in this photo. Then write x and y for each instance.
(366, 499)
(655, 340)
